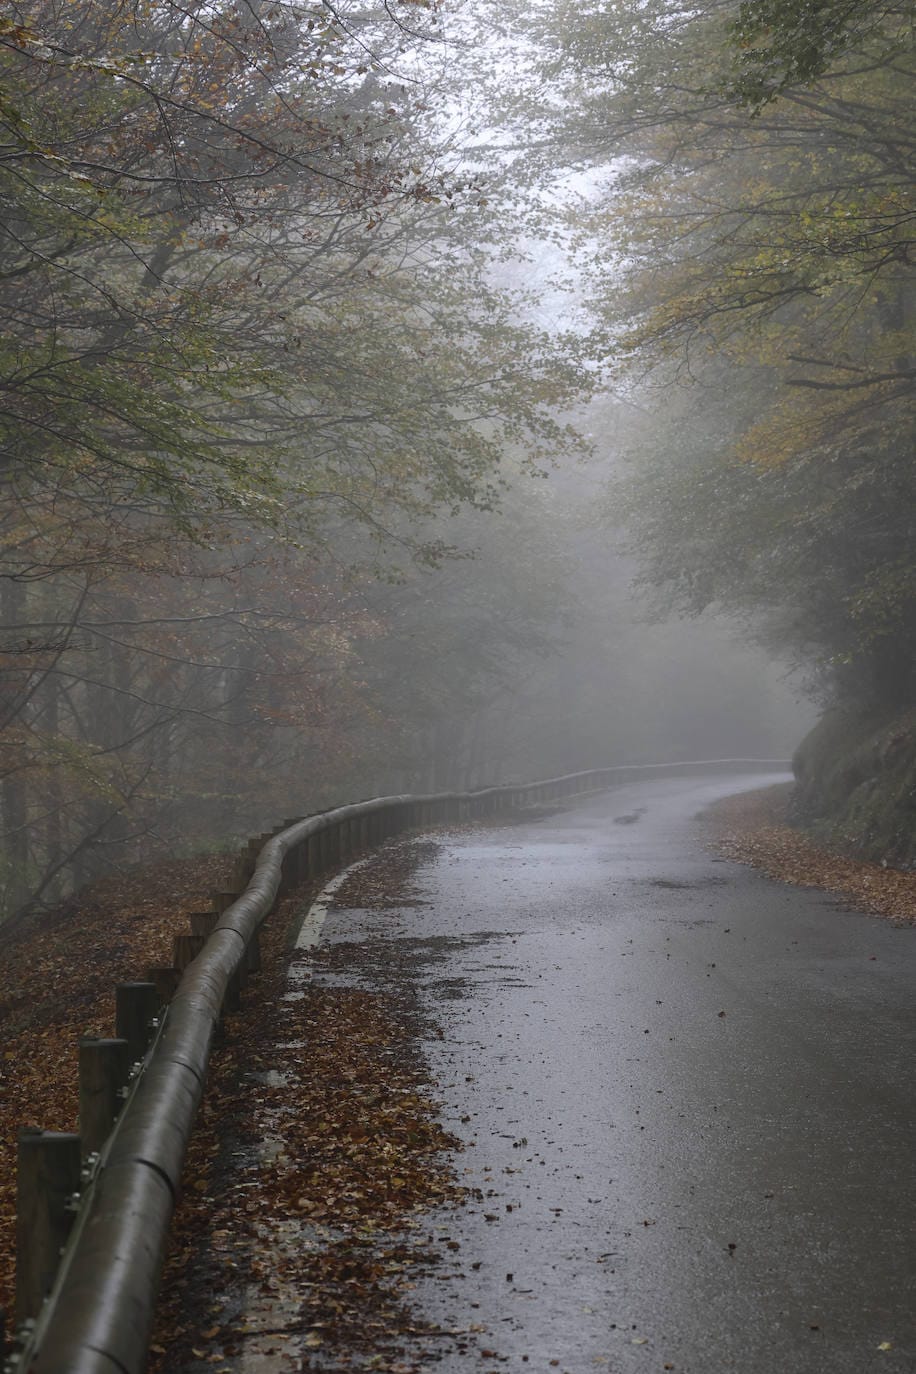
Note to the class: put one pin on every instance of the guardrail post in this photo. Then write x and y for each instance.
(136, 1005)
(104, 1068)
(203, 922)
(300, 858)
(293, 864)
(253, 954)
(232, 1000)
(185, 949)
(313, 851)
(219, 901)
(48, 1176)
(243, 867)
(165, 980)
(242, 870)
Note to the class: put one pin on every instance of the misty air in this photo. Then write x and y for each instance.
(457, 687)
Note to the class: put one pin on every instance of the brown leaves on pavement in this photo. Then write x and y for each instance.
(752, 828)
(298, 1239)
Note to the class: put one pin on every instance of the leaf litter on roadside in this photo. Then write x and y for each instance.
(58, 973)
(752, 828)
(300, 1235)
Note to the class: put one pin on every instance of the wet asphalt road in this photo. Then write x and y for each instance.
(687, 1094)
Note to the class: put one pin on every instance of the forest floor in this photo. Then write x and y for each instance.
(58, 973)
(57, 977)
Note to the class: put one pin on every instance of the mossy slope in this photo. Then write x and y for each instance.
(856, 784)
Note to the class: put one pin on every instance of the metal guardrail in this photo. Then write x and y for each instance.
(98, 1314)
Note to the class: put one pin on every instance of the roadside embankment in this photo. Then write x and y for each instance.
(856, 785)
(327, 1075)
(754, 828)
(58, 972)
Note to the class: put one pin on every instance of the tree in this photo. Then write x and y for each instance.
(245, 289)
(754, 244)
(782, 45)
(223, 252)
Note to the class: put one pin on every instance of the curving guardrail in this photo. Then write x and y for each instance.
(97, 1316)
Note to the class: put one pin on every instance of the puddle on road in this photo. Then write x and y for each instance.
(689, 885)
(631, 818)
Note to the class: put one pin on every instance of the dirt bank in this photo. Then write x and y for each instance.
(753, 829)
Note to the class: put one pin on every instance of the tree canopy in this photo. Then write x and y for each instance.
(246, 287)
(231, 255)
(753, 244)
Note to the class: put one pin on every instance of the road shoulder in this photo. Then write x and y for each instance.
(752, 828)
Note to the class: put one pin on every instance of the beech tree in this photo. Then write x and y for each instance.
(231, 262)
(752, 244)
(246, 287)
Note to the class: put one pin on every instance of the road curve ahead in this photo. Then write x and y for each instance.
(687, 1094)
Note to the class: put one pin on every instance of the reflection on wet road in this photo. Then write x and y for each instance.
(687, 1095)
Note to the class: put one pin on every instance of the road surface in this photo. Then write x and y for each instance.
(687, 1094)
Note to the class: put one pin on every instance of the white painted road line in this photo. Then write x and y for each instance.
(309, 932)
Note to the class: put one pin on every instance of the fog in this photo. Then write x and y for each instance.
(384, 413)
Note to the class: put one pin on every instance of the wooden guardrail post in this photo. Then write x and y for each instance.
(136, 1005)
(185, 949)
(203, 922)
(242, 869)
(253, 954)
(295, 865)
(304, 850)
(233, 998)
(135, 1009)
(48, 1176)
(104, 1068)
(315, 847)
(219, 901)
(165, 979)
